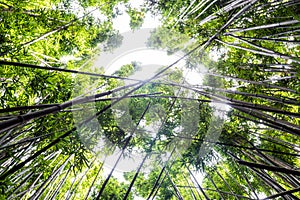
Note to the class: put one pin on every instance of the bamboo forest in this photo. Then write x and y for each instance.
(154, 99)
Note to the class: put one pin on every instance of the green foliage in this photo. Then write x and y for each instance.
(252, 60)
(113, 41)
(136, 17)
(166, 39)
(113, 190)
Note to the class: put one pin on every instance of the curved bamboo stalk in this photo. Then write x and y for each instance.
(23, 118)
(79, 100)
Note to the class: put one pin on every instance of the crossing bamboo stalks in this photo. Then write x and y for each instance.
(122, 152)
(11, 123)
(49, 33)
(24, 65)
(156, 184)
(216, 187)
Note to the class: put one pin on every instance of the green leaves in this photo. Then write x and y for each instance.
(136, 17)
(250, 50)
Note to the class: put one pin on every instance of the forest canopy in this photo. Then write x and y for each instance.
(220, 120)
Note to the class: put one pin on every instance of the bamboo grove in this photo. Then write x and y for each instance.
(62, 117)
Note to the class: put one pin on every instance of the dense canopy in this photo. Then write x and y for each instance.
(221, 120)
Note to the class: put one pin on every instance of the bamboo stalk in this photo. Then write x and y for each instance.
(177, 192)
(17, 64)
(270, 168)
(158, 187)
(221, 191)
(26, 178)
(156, 184)
(280, 194)
(291, 128)
(31, 186)
(275, 55)
(47, 34)
(135, 176)
(225, 9)
(94, 180)
(8, 124)
(263, 26)
(264, 176)
(81, 178)
(40, 190)
(240, 146)
(122, 152)
(213, 182)
(283, 33)
(202, 191)
(57, 190)
(226, 183)
(269, 39)
(190, 187)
